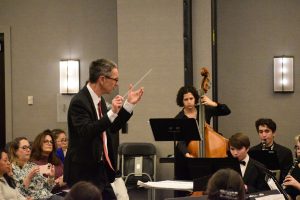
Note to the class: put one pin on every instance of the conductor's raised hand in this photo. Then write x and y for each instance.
(134, 96)
(117, 103)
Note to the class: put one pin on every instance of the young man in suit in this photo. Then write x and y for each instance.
(253, 177)
(90, 152)
(266, 129)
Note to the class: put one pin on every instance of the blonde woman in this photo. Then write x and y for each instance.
(29, 178)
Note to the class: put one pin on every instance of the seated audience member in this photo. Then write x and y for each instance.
(225, 184)
(8, 189)
(61, 142)
(83, 190)
(43, 152)
(266, 129)
(27, 175)
(292, 180)
(253, 176)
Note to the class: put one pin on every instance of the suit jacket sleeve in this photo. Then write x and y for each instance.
(83, 118)
(219, 110)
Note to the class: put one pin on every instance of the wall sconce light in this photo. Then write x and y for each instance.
(69, 76)
(283, 74)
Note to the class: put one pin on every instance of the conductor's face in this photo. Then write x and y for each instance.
(110, 82)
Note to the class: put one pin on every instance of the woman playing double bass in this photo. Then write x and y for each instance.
(188, 97)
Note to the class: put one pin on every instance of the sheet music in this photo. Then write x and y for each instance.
(272, 185)
(172, 185)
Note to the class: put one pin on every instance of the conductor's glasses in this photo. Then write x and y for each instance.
(115, 79)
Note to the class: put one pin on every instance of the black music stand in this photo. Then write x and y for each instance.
(267, 157)
(201, 169)
(171, 129)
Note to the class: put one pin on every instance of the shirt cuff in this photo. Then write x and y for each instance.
(111, 116)
(128, 106)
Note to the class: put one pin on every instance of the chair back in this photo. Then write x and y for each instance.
(137, 161)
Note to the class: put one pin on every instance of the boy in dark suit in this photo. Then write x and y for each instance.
(253, 177)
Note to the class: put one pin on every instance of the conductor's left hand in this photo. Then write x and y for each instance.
(134, 96)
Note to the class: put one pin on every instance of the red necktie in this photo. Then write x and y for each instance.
(104, 139)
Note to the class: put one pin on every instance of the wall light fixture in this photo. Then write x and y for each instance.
(69, 76)
(283, 74)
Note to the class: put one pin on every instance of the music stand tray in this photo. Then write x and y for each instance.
(267, 157)
(171, 129)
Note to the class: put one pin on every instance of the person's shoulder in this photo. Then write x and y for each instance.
(281, 148)
(59, 150)
(82, 92)
(255, 162)
(256, 147)
(82, 96)
(180, 115)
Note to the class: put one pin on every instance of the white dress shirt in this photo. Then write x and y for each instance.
(243, 167)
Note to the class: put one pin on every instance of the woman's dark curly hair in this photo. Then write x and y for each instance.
(184, 90)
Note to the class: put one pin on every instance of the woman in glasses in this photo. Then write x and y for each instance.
(61, 142)
(44, 154)
(28, 176)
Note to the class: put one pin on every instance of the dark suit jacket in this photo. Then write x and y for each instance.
(84, 156)
(285, 158)
(254, 178)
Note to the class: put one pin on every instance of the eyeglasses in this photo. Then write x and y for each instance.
(115, 79)
(296, 147)
(62, 140)
(48, 141)
(25, 147)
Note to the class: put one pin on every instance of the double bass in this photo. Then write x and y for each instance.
(212, 145)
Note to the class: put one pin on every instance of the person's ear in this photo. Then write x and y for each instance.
(101, 79)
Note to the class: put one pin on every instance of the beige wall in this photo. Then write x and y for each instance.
(143, 35)
(150, 37)
(42, 33)
(250, 33)
(201, 17)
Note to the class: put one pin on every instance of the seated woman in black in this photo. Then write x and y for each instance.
(188, 97)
